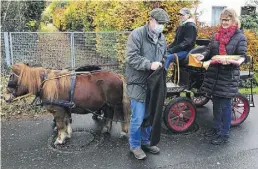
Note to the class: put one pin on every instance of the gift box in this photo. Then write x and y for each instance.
(194, 62)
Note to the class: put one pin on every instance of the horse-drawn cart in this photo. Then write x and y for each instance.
(180, 111)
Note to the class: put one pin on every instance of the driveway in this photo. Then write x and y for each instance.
(27, 144)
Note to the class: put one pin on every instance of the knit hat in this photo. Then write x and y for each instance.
(185, 11)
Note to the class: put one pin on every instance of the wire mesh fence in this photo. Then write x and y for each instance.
(50, 50)
(99, 49)
(68, 50)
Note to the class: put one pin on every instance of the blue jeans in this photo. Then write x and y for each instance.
(138, 134)
(171, 57)
(222, 112)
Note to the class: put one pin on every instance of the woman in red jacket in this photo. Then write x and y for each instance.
(222, 77)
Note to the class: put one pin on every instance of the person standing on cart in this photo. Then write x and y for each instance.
(146, 48)
(222, 77)
(185, 38)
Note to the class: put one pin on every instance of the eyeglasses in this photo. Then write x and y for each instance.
(225, 20)
(179, 14)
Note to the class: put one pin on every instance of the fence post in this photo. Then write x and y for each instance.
(72, 51)
(7, 49)
(11, 47)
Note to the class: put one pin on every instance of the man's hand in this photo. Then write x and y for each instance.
(155, 65)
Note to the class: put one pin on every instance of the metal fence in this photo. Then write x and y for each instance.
(61, 50)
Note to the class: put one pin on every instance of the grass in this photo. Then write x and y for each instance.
(47, 28)
(248, 91)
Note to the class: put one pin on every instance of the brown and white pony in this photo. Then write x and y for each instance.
(92, 91)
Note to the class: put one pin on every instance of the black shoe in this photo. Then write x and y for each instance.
(53, 124)
(219, 140)
(151, 149)
(95, 117)
(211, 132)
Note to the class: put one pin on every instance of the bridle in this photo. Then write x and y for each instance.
(14, 92)
(14, 88)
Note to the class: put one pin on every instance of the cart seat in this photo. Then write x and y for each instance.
(246, 75)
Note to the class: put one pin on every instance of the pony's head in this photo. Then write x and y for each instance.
(22, 81)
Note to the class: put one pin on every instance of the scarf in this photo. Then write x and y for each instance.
(223, 36)
(187, 20)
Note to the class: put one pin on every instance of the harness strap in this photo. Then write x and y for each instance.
(176, 81)
(71, 93)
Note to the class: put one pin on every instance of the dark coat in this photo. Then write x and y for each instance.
(156, 94)
(185, 38)
(223, 80)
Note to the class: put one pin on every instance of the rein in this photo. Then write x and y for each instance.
(21, 97)
(176, 81)
(14, 93)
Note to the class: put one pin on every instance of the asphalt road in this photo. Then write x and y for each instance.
(27, 144)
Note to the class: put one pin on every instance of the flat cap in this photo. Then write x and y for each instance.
(160, 15)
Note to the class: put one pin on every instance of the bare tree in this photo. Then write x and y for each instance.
(252, 2)
(16, 14)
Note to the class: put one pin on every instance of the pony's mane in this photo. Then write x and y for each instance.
(30, 77)
(88, 68)
(58, 81)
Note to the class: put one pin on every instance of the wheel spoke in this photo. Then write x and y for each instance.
(176, 123)
(174, 118)
(186, 117)
(234, 115)
(175, 111)
(239, 112)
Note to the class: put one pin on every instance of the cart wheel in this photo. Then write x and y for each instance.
(200, 101)
(179, 115)
(240, 109)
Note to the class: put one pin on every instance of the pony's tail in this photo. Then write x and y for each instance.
(126, 106)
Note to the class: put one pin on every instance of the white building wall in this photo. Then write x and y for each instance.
(205, 8)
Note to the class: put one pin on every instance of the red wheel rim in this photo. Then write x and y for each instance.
(239, 110)
(181, 116)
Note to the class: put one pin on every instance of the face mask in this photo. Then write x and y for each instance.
(158, 28)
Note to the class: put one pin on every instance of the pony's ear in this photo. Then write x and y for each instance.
(42, 75)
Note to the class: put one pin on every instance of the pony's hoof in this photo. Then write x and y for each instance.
(123, 135)
(68, 136)
(58, 142)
